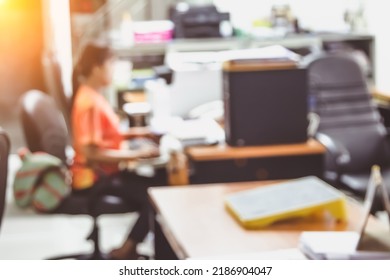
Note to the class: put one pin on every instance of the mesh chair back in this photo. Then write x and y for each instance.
(339, 95)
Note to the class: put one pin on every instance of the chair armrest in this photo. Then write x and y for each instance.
(314, 122)
(338, 153)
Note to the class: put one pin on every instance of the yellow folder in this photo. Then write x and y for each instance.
(260, 207)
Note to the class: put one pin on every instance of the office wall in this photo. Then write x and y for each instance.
(319, 14)
(21, 44)
(378, 23)
(57, 38)
(140, 9)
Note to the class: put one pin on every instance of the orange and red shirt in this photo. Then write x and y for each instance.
(93, 123)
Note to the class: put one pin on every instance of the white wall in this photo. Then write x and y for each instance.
(318, 14)
(378, 23)
(326, 14)
(58, 37)
(315, 14)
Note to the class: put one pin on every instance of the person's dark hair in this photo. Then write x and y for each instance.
(93, 55)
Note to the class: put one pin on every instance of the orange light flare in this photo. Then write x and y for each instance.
(18, 5)
(15, 17)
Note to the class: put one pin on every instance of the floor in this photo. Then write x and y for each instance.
(9, 121)
(26, 235)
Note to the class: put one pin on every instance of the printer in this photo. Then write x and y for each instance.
(197, 21)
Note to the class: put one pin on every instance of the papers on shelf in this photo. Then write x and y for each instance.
(268, 54)
(195, 60)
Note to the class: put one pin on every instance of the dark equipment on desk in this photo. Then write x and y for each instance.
(197, 21)
(265, 107)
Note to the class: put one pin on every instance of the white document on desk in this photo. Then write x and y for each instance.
(329, 242)
(197, 131)
(202, 131)
(338, 246)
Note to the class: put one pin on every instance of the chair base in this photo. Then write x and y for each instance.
(92, 256)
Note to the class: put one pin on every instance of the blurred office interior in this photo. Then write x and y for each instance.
(145, 34)
(32, 29)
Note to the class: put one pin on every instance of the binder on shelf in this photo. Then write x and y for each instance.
(260, 207)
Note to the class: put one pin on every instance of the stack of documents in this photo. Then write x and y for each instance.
(192, 60)
(263, 206)
(269, 54)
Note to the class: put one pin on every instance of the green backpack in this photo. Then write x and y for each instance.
(42, 181)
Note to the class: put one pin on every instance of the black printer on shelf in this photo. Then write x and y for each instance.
(197, 21)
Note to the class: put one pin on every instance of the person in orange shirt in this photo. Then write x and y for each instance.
(97, 143)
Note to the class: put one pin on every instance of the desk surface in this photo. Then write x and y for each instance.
(221, 152)
(381, 95)
(197, 225)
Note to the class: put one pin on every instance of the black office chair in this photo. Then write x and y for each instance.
(350, 126)
(45, 130)
(43, 125)
(4, 151)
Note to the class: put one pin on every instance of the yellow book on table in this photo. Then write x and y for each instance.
(260, 207)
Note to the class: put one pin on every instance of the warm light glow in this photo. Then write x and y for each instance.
(18, 19)
(18, 4)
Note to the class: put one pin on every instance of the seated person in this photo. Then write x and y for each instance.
(97, 143)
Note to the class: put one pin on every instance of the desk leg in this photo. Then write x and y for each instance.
(162, 249)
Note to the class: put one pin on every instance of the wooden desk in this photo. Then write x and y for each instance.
(382, 100)
(193, 223)
(381, 95)
(222, 163)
